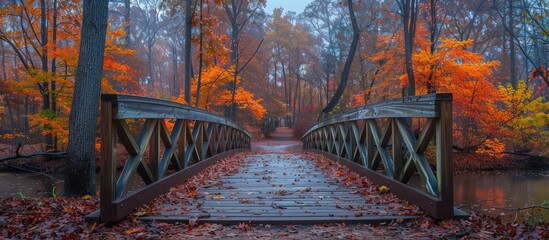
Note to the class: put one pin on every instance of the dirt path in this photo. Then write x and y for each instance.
(282, 140)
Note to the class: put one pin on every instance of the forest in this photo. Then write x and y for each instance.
(258, 67)
(273, 71)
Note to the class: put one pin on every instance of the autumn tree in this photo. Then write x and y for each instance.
(33, 31)
(80, 171)
(239, 13)
(409, 13)
(349, 60)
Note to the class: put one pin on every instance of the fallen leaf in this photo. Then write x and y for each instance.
(134, 230)
(383, 189)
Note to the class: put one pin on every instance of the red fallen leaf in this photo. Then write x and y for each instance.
(426, 223)
(282, 192)
(70, 236)
(308, 189)
(243, 226)
(192, 193)
(359, 214)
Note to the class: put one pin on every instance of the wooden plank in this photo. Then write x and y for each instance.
(425, 172)
(128, 203)
(136, 161)
(278, 220)
(236, 197)
(425, 201)
(169, 152)
(424, 106)
(136, 107)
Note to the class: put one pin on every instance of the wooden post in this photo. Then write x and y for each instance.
(108, 163)
(397, 149)
(369, 145)
(154, 150)
(445, 168)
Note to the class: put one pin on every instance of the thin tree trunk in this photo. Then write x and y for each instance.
(287, 97)
(45, 89)
(512, 51)
(4, 78)
(150, 60)
(127, 23)
(431, 87)
(80, 171)
(4, 73)
(348, 62)
(188, 66)
(234, 61)
(200, 56)
(409, 10)
(176, 86)
(53, 73)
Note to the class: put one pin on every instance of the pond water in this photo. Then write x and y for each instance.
(29, 185)
(38, 185)
(493, 194)
(486, 193)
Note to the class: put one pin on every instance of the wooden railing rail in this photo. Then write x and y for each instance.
(392, 156)
(194, 140)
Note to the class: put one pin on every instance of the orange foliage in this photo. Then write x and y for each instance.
(452, 68)
(214, 95)
(119, 67)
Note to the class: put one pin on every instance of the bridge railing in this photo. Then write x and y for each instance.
(377, 140)
(173, 142)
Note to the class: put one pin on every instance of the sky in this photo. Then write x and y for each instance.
(296, 6)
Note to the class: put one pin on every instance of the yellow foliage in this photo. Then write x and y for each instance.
(530, 117)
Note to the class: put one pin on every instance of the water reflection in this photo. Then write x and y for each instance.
(29, 185)
(492, 193)
(36, 185)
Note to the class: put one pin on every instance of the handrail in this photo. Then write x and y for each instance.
(196, 140)
(355, 139)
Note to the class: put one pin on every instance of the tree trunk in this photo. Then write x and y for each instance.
(200, 58)
(234, 61)
(4, 78)
(348, 62)
(431, 87)
(45, 88)
(4, 73)
(80, 171)
(409, 11)
(53, 72)
(176, 86)
(188, 66)
(150, 68)
(512, 51)
(127, 23)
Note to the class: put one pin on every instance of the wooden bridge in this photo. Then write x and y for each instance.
(167, 143)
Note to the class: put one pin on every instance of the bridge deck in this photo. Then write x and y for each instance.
(280, 188)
